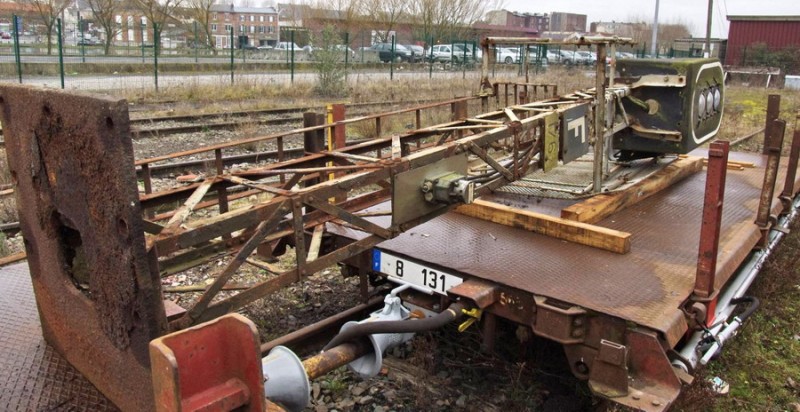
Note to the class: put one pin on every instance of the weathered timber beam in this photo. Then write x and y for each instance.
(600, 206)
(576, 232)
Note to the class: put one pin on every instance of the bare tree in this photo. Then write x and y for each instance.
(452, 19)
(385, 15)
(346, 15)
(200, 11)
(158, 12)
(105, 13)
(48, 11)
(668, 32)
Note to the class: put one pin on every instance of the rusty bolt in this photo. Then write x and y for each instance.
(577, 333)
(577, 321)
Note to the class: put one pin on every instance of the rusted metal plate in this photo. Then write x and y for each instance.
(33, 377)
(79, 212)
(646, 286)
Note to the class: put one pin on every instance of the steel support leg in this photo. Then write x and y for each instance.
(791, 171)
(773, 145)
(704, 289)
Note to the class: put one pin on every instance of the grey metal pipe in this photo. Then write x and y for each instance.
(452, 313)
(730, 330)
(742, 281)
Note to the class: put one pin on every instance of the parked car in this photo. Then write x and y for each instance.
(553, 56)
(249, 47)
(87, 42)
(5, 35)
(507, 55)
(588, 58)
(385, 54)
(625, 55)
(285, 45)
(308, 49)
(533, 56)
(446, 53)
(417, 52)
(264, 47)
(473, 53)
(343, 48)
(572, 57)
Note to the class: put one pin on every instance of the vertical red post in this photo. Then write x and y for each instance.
(339, 132)
(773, 111)
(787, 195)
(773, 144)
(710, 228)
(339, 138)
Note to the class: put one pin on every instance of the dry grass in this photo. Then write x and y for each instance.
(194, 97)
(746, 111)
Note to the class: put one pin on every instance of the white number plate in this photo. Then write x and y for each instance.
(412, 272)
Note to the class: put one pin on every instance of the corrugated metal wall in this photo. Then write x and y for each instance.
(744, 33)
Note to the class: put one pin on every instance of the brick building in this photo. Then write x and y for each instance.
(567, 22)
(618, 28)
(533, 22)
(254, 26)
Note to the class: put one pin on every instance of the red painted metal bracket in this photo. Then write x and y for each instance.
(709, 231)
(215, 366)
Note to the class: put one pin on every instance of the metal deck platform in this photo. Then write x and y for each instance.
(646, 286)
(33, 376)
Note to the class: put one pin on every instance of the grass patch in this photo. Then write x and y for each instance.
(746, 111)
(761, 364)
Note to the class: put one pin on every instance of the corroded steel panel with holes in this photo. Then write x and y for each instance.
(99, 303)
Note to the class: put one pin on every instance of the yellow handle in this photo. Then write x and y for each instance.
(474, 315)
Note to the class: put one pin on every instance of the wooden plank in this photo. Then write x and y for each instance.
(576, 232)
(732, 164)
(16, 257)
(600, 206)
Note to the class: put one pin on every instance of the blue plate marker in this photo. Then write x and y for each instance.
(376, 260)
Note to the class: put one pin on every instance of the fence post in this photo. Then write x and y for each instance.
(291, 68)
(83, 43)
(391, 58)
(430, 59)
(156, 44)
(60, 52)
(346, 53)
(196, 48)
(17, 56)
(232, 50)
(464, 62)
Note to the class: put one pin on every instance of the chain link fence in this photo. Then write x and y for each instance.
(166, 57)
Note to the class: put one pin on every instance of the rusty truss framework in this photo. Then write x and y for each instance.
(100, 246)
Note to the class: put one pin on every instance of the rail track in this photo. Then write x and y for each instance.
(162, 126)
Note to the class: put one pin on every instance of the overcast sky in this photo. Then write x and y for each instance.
(691, 12)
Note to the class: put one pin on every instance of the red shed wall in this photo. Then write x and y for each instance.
(776, 34)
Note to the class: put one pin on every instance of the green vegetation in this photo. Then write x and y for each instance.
(331, 72)
(758, 54)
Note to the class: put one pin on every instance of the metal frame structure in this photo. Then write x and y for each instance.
(120, 296)
(97, 247)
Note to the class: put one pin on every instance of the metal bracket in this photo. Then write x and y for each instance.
(564, 325)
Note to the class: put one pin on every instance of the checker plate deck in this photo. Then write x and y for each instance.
(33, 376)
(646, 286)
